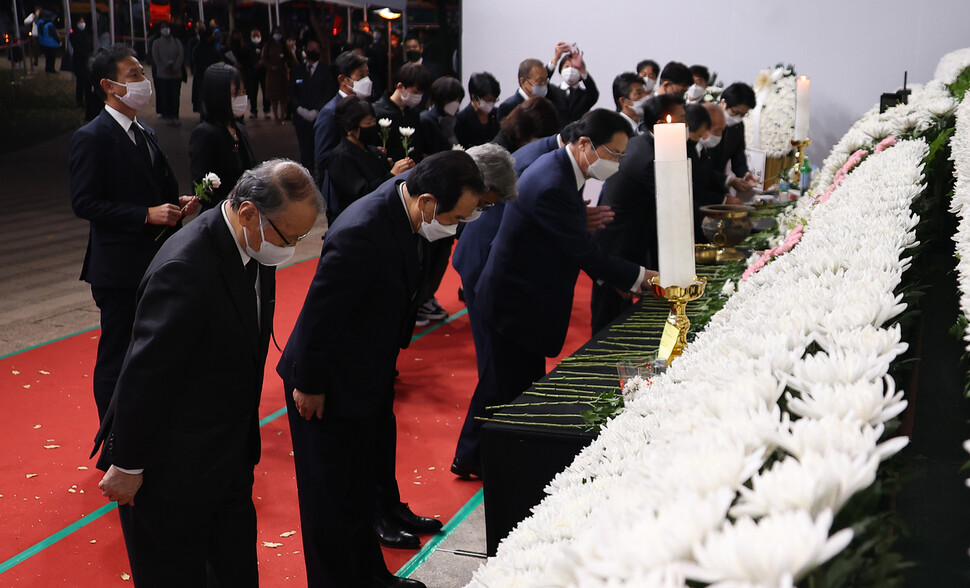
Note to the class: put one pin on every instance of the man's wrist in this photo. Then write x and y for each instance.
(133, 472)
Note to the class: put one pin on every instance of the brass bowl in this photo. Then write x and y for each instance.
(726, 225)
(705, 254)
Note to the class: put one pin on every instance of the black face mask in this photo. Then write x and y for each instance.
(313, 56)
(370, 135)
(413, 55)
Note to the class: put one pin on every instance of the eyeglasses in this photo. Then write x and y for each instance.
(485, 206)
(618, 156)
(285, 240)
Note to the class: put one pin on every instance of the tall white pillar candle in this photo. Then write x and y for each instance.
(801, 108)
(675, 208)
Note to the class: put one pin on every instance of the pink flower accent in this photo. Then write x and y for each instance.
(885, 144)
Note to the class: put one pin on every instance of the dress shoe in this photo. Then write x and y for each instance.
(412, 522)
(390, 581)
(465, 471)
(391, 534)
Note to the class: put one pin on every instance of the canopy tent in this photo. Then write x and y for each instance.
(398, 5)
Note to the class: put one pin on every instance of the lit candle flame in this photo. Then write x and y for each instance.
(669, 119)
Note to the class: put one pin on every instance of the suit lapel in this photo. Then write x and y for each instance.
(241, 292)
(404, 235)
(124, 142)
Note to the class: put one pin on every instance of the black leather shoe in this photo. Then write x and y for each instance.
(390, 581)
(465, 471)
(391, 534)
(412, 522)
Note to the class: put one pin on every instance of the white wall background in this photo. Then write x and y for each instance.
(852, 49)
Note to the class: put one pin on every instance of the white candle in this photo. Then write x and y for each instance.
(675, 208)
(801, 108)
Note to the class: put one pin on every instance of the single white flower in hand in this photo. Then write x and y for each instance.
(406, 131)
(384, 122)
(212, 179)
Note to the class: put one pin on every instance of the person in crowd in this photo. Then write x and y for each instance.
(707, 189)
(717, 179)
(477, 123)
(338, 365)
(311, 86)
(531, 120)
(649, 70)
(206, 53)
(352, 80)
(83, 45)
(631, 195)
(120, 181)
(525, 290)
(276, 59)
(192, 44)
(255, 74)
(169, 59)
(179, 445)
(702, 77)
(220, 144)
(233, 53)
(33, 20)
(414, 52)
(533, 81)
(629, 97)
(578, 92)
(736, 100)
(438, 122)
(401, 106)
(674, 79)
(49, 39)
(358, 166)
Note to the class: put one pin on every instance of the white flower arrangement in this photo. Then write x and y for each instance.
(960, 206)
(952, 65)
(771, 125)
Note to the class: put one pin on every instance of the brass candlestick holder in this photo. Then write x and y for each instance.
(799, 147)
(674, 338)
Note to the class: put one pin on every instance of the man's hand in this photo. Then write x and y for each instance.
(308, 404)
(189, 204)
(164, 214)
(597, 217)
(561, 48)
(732, 200)
(402, 166)
(645, 288)
(119, 486)
(744, 184)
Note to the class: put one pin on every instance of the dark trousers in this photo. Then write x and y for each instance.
(439, 253)
(304, 136)
(256, 80)
(167, 100)
(50, 56)
(337, 472)
(192, 545)
(388, 492)
(509, 371)
(117, 306)
(606, 305)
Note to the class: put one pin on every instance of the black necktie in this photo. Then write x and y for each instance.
(141, 143)
(252, 271)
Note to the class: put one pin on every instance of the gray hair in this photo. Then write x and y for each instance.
(273, 184)
(498, 169)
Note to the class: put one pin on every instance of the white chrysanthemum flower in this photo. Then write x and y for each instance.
(406, 131)
(384, 123)
(212, 179)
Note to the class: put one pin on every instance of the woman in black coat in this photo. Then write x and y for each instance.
(220, 144)
(438, 123)
(358, 165)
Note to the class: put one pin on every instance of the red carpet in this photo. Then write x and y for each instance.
(49, 421)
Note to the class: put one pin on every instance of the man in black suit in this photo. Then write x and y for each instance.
(401, 105)
(121, 182)
(311, 86)
(182, 431)
(631, 195)
(338, 365)
(352, 80)
(578, 92)
(414, 51)
(533, 81)
(736, 100)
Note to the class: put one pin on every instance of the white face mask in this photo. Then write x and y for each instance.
(540, 91)
(711, 141)
(731, 120)
(473, 216)
(81, 26)
(362, 87)
(166, 32)
(571, 75)
(638, 105)
(485, 107)
(268, 253)
(649, 84)
(411, 99)
(451, 108)
(694, 92)
(434, 230)
(239, 105)
(138, 95)
(256, 40)
(277, 36)
(602, 169)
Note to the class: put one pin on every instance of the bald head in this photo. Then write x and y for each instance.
(717, 118)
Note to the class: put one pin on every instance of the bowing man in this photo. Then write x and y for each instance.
(533, 81)
(338, 365)
(182, 432)
(525, 291)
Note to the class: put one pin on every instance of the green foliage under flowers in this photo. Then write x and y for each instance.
(602, 408)
(958, 89)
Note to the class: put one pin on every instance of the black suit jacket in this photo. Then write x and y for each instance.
(406, 117)
(360, 309)
(437, 131)
(573, 106)
(112, 185)
(353, 173)
(212, 149)
(731, 150)
(470, 131)
(526, 288)
(708, 186)
(185, 407)
(509, 104)
(311, 91)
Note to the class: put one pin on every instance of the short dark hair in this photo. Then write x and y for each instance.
(648, 62)
(677, 73)
(347, 63)
(571, 132)
(104, 65)
(534, 118)
(217, 85)
(445, 176)
(659, 106)
(482, 84)
(700, 71)
(350, 111)
(739, 93)
(526, 67)
(622, 85)
(273, 184)
(600, 125)
(413, 75)
(697, 117)
(413, 37)
(444, 90)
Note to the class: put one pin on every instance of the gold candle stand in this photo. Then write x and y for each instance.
(674, 338)
(799, 147)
